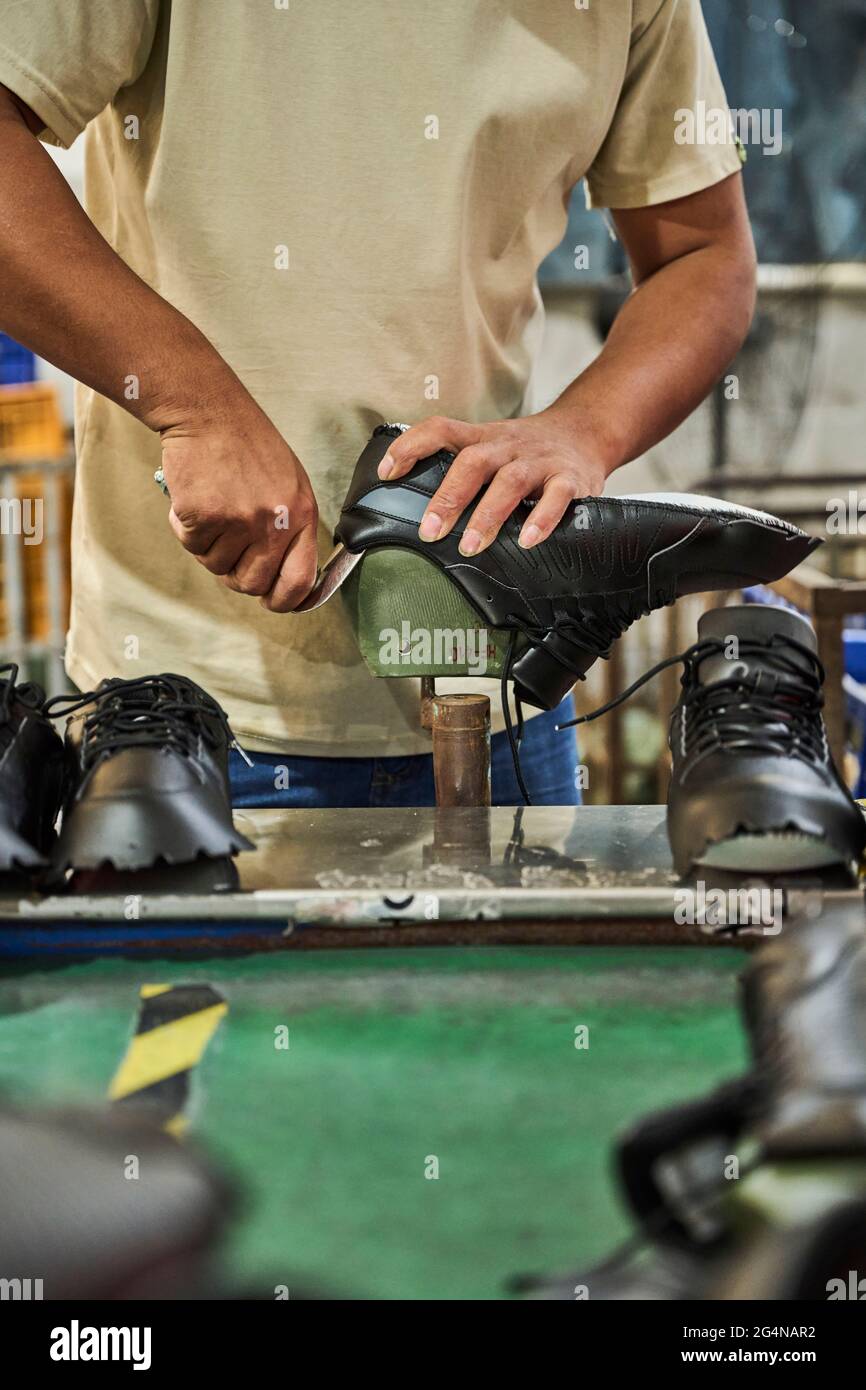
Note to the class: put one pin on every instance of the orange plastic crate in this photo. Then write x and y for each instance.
(31, 425)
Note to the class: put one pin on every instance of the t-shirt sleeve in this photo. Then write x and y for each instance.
(67, 59)
(650, 153)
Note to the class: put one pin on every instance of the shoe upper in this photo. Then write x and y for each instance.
(748, 742)
(610, 560)
(166, 714)
(148, 776)
(31, 774)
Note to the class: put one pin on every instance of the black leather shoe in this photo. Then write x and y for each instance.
(148, 763)
(801, 999)
(754, 786)
(610, 560)
(31, 774)
(670, 1166)
(70, 1220)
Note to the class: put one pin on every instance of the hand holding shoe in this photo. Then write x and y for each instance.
(542, 456)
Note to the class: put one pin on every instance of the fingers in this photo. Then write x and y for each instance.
(472, 468)
(195, 535)
(550, 508)
(248, 556)
(511, 459)
(513, 482)
(297, 573)
(225, 553)
(425, 439)
(256, 570)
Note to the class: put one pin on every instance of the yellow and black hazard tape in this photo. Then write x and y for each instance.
(175, 1024)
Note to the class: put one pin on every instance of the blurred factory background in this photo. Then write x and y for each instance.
(784, 430)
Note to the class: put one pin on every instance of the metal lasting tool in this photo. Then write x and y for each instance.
(338, 566)
(330, 575)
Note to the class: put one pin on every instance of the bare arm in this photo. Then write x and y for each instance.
(693, 266)
(693, 263)
(67, 295)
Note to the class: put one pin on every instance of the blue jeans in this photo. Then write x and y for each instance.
(548, 760)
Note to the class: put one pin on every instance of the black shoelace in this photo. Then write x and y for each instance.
(776, 710)
(519, 853)
(593, 633)
(163, 711)
(514, 734)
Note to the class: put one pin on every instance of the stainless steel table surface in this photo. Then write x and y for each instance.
(554, 874)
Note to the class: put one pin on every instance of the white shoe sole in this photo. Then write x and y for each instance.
(783, 851)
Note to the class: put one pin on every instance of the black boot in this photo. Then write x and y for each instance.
(31, 775)
(754, 786)
(610, 560)
(148, 761)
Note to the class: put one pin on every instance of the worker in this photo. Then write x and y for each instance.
(304, 219)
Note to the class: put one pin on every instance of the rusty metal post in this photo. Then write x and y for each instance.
(461, 838)
(461, 749)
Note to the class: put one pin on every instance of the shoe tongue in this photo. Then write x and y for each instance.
(752, 622)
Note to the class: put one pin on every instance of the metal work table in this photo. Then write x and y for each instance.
(555, 875)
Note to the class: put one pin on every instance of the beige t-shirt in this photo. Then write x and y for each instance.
(411, 163)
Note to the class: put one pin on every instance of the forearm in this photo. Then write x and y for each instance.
(669, 344)
(67, 295)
